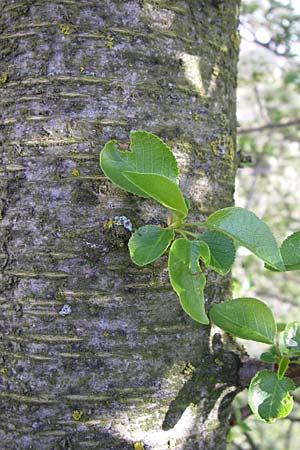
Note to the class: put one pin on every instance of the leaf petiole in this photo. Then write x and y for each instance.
(282, 366)
(175, 224)
(195, 224)
(184, 233)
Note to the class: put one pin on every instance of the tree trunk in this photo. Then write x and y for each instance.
(96, 352)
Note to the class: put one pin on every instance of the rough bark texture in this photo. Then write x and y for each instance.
(75, 74)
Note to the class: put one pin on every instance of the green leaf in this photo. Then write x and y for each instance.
(290, 252)
(271, 355)
(282, 367)
(249, 231)
(291, 338)
(186, 277)
(222, 251)
(247, 318)
(161, 189)
(281, 344)
(149, 243)
(269, 397)
(204, 252)
(187, 202)
(272, 269)
(281, 326)
(148, 154)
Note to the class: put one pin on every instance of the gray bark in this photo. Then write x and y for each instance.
(75, 74)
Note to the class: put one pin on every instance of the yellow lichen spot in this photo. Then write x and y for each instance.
(223, 145)
(189, 369)
(3, 77)
(216, 71)
(138, 445)
(108, 223)
(224, 48)
(3, 370)
(105, 333)
(214, 146)
(77, 414)
(195, 116)
(65, 28)
(81, 69)
(109, 41)
(75, 173)
(231, 148)
(237, 11)
(236, 39)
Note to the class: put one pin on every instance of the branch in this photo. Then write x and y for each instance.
(249, 369)
(244, 412)
(237, 446)
(292, 419)
(251, 366)
(274, 50)
(251, 442)
(269, 126)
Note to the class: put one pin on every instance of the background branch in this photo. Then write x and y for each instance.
(251, 366)
(269, 126)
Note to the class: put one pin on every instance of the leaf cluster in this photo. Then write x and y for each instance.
(149, 170)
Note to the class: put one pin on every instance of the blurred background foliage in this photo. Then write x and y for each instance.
(269, 185)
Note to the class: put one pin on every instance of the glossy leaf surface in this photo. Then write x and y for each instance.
(149, 154)
(247, 318)
(186, 277)
(271, 355)
(161, 189)
(222, 251)
(203, 250)
(249, 231)
(149, 243)
(269, 397)
(290, 252)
